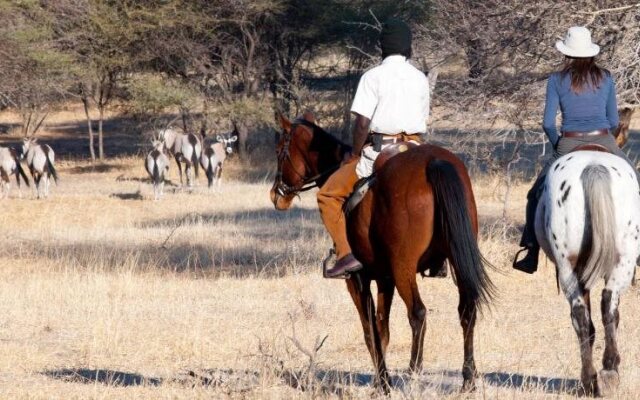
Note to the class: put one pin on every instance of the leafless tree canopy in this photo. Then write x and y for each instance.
(224, 63)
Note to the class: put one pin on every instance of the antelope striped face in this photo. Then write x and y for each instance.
(227, 140)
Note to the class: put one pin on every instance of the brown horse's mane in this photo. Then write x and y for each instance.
(322, 140)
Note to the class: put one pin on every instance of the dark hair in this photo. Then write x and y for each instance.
(584, 72)
(395, 38)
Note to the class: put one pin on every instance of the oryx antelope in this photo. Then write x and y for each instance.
(214, 155)
(10, 165)
(40, 159)
(157, 165)
(185, 148)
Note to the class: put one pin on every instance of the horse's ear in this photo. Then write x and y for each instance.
(284, 122)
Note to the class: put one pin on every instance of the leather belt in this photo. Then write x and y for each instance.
(400, 137)
(598, 132)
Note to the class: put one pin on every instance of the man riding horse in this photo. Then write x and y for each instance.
(391, 105)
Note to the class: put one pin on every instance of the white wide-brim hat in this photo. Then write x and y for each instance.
(577, 43)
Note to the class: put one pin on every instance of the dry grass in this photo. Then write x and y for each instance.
(94, 306)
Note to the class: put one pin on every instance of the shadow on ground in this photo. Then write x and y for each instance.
(273, 245)
(95, 169)
(324, 381)
(546, 384)
(107, 377)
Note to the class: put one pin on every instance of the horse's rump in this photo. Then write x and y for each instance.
(577, 221)
(420, 205)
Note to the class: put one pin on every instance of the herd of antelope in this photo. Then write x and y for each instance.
(186, 149)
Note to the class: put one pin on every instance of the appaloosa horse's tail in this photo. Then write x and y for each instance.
(452, 215)
(600, 225)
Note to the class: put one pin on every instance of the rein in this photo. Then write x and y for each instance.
(308, 183)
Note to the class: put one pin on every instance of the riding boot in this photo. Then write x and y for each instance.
(529, 242)
(331, 198)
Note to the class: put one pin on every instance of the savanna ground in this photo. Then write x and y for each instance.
(105, 293)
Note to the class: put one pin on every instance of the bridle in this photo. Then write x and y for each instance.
(307, 183)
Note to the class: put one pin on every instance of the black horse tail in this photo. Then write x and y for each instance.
(20, 173)
(452, 217)
(50, 168)
(193, 140)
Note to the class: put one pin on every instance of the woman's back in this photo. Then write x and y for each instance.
(587, 110)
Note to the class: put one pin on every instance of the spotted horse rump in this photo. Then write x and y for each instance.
(588, 224)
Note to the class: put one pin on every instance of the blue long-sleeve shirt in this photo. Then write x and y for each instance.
(581, 112)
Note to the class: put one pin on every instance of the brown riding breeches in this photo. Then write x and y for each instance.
(331, 197)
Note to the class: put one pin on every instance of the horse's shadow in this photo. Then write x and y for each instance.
(546, 384)
(326, 381)
(107, 377)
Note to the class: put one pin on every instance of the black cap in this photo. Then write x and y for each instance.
(395, 38)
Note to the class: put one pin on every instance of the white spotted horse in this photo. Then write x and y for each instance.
(590, 237)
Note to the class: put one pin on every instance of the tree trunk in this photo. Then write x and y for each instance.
(184, 113)
(92, 152)
(100, 141)
(243, 134)
(476, 58)
(205, 116)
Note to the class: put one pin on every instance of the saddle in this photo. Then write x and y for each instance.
(364, 184)
(591, 147)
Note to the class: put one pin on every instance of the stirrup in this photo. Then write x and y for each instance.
(325, 266)
(325, 262)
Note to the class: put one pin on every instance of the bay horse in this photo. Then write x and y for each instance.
(589, 237)
(420, 211)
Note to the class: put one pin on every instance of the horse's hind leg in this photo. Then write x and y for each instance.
(583, 325)
(416, 311)
(361, 295)
(385, 297)
(619, 280)
(467, 312)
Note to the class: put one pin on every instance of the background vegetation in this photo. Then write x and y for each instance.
(221, 63)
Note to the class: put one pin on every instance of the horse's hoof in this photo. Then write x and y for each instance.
(382, 384)
(608, 382)
(590, 387)
(468, 386)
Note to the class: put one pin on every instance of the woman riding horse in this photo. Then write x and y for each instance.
(391, 105)
(586, 95)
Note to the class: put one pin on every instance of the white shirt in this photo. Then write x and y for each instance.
(394, 96)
